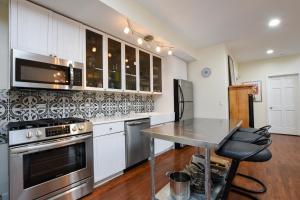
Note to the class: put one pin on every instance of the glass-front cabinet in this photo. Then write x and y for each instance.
(144, 61)
(130, 68)
(94, 59)
(157, 81)
(114, 64)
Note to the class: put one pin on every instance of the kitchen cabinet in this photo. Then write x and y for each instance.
(241, 104)
(144, 63)
(31, 27)
(130, 68)
(157, 81)
(111, 64)
(109, 155)
(94, 59)
(41, 31)
(158, 120)
(67, 38)
(114, 64)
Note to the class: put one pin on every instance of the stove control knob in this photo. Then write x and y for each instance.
(29, 134)
(38, 133)
(74, 128)
(81, 127)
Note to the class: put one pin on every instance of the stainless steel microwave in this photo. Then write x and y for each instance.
(31, 70)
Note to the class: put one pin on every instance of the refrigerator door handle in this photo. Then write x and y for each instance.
(181, 102)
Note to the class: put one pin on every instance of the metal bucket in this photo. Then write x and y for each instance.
(179, 185)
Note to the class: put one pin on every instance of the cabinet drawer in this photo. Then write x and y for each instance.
(109, 128)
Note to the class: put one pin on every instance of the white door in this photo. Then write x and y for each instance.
(283, 104)
(109, 155)
(30, 27)
(68, 36)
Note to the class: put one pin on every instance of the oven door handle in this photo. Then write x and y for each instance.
(47, 146)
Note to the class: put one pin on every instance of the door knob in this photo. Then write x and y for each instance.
(271, 107)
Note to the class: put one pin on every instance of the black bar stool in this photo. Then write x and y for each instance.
(255, 130)
(238, 152)
(250, 137)
(259, 138)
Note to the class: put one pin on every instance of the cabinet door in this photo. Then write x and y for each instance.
(94, 59)
(130, 67)
(69, 41)
(157, 82)
(109, 155)
(114, 64)
(144, 61)
(31, 26)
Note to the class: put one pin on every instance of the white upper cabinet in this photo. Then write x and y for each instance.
(68, 36)
(30, 27)
(38, 30)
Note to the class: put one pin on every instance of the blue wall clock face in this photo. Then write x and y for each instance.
(206, 72)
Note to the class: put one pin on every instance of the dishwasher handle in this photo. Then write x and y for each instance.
(137, 123)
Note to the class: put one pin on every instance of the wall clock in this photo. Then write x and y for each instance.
(206, 72)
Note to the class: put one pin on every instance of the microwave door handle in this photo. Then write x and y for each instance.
(71, 75)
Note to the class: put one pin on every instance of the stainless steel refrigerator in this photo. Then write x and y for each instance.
(183, 102)
(183, 99)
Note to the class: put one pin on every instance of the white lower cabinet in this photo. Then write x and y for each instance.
(161, 146)
(109, 155)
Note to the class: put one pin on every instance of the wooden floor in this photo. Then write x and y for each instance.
(281, 174)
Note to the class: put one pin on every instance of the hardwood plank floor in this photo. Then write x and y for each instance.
(281, 174)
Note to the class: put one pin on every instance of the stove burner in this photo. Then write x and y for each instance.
(43, 123)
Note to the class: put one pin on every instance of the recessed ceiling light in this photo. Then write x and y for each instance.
(170, 52)
(274, 22)
(270, 51)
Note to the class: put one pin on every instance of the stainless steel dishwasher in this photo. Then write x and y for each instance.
(137, 144)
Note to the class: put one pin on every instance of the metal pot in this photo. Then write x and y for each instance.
(179, 185)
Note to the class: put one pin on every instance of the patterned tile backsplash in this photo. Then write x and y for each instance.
(25, 105)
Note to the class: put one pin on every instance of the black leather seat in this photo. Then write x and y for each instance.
(248, 137)
(255, 130)
(238, 152)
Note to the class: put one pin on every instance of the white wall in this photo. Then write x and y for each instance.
(173, 68)
(259, 70)
(210, 94)
(4, 52)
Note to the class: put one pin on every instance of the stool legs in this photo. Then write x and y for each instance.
(230, 176)
(262, 185)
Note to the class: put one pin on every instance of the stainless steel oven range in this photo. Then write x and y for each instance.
(50, 159)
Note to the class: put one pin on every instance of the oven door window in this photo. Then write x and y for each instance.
(47, 165)
(38, 72)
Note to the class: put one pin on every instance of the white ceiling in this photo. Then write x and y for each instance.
(240, 24)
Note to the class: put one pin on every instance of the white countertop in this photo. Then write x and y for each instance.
(105, 120)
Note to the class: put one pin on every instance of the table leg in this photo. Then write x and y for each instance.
(152, 168)
(207, 174)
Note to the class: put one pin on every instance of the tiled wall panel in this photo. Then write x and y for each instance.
(24, 105)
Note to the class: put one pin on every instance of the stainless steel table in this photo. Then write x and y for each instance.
(198, 132)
